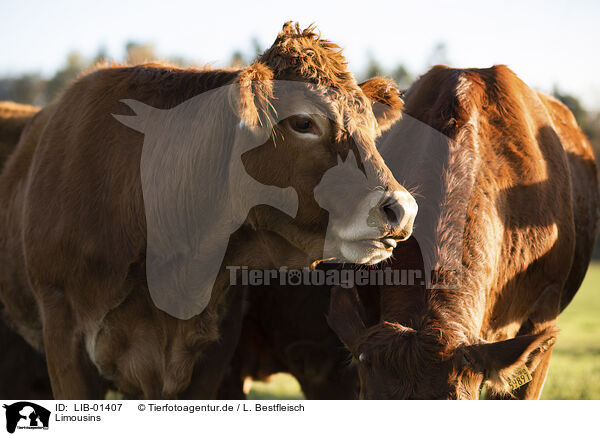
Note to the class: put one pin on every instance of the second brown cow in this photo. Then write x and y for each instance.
(510, 242)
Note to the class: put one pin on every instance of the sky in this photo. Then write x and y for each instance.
(546, 43)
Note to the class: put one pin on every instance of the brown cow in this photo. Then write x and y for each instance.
(76, 205)
(519, 165)
(23, 369)
(13, 117)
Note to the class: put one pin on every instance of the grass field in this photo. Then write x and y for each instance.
(575, 366)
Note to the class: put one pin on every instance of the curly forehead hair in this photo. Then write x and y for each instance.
(303, 53)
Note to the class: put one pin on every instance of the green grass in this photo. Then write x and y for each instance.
(281, 387)
(575, 367)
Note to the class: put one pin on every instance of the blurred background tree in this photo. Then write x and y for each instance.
(139, 53)
(374, 68)
(237, 60)
(402, 76)
(75, 64)
(439, 55)
(400, 73)
(27, 88)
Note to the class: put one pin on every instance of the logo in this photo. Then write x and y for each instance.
(26, 415)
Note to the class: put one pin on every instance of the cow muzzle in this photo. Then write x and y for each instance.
(381, 220)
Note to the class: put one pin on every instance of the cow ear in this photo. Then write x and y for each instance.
(344, 316)
(251, 98)
(500, 361)
(386, 99)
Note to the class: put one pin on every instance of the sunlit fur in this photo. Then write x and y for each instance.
(526, 173)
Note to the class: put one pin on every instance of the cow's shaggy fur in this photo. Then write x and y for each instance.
(525, 175)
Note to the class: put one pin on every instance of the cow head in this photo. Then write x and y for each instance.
(398, 362)
(317, 129)
(286, 147)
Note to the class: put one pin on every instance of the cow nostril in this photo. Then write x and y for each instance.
(391, 210)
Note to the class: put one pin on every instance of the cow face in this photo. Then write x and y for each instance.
(320, 141)
(279, 154)
(319, 129)
(285, 147)
(397, 362)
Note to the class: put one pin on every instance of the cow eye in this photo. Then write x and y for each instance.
(304, 124)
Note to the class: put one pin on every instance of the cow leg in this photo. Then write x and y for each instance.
(215, 361)
(72, 374)
(23, 369)
(232, 385)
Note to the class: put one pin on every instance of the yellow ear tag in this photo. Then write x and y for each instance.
(519, 378)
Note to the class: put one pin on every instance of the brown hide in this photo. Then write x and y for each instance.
(521, 166)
